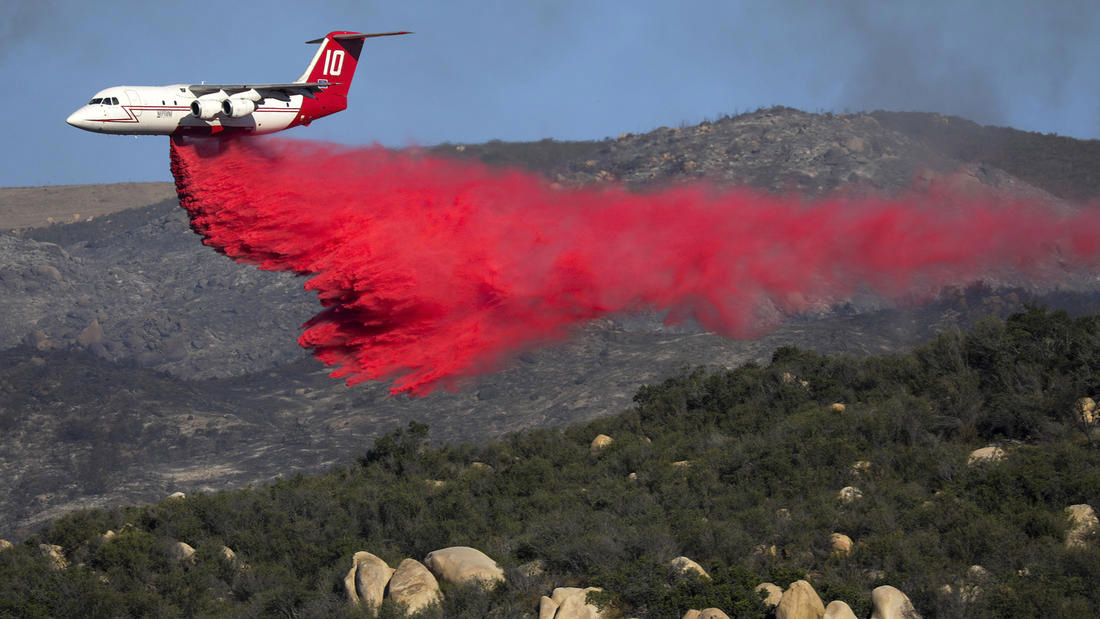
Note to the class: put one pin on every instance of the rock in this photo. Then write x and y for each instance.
(860, 468)
(572, 603)
(685, 565)
(177, 495)
(480, 466)
(106, 536)
(600, 442)
(1083, 523)
(48, 272)
(838, 407)
(181, 552)
(462, 564)
(854, 144)
(841, 544)
(682, 464)
(413, 585)
(783, 514)
(547, 608)
(4, 545)
(772, 593)
(227, 555)
(889, 603)
(92, 334)
(712, 613)
(848, 494)
(800, 601)
(1085, 411)
(38, 339)
(366, 580)
(839, 610)
(762, 550)
(985, 454)
(55, 555)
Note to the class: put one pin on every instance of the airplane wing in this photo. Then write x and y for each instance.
(299, 88)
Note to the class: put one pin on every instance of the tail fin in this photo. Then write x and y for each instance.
(336, 60)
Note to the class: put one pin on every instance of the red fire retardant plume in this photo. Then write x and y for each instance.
(432, 270)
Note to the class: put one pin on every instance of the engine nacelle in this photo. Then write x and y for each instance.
(206, 108)
(235, 107)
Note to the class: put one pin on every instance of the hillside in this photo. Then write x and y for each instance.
(137, 362)
(748, 471)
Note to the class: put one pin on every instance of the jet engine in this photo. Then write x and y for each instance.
(235, 107)
(206, 108)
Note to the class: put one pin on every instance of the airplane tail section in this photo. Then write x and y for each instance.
(336, 60)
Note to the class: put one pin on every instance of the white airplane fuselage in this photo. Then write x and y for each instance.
(231, 109)
(166, 110)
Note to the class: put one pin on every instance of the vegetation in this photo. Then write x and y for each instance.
(720, 466)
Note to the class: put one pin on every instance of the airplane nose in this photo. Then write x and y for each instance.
(77, 120)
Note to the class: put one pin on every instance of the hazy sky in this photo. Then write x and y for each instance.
(562, 69)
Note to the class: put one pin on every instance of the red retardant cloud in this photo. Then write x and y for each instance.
(432, 270)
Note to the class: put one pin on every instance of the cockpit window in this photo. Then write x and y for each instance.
(114, 101)
(95, 101)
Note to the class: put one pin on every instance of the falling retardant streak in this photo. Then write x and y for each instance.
(432, 270)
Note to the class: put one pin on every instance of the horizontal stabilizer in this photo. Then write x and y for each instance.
(359, 35)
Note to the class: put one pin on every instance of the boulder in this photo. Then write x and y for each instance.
(684, 565)
(800, 601)
(838, 407)
(4, 545)
(413, 585)
(860, 468)
(600, 442)
(366, 580)
(181, 552)
(712, 613)
(889, 603)
(841, 544)
(772, 593)
(177, 495)
(55, 555)
(92, 334)
(839, 610)
(986, 455)
(574, 604)
(547, 608)
(1085, 411)
(462, 564)
(848, 494)
(107, 536)
(1083, 523)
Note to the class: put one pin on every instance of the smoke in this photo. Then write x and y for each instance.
(432, 270)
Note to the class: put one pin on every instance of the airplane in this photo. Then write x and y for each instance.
(231, 109)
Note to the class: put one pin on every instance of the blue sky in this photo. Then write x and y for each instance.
(563, 69)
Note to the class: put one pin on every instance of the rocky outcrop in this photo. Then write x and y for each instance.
(1083, 523)
(706, 613)
(413, 585)
(839, 610)
(889, 603)
(986, 455)
(800, 601)
(1084, 410)
(684, 565)
(366, 581)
